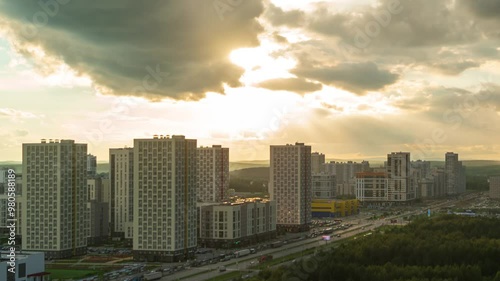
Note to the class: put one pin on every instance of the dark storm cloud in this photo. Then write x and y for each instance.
(355, 77)
(484, 8)
(297, 85)
(176, 49)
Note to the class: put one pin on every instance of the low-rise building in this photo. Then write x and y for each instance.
(371, 187)
(332, 208)
(226, 225)
(28, 266)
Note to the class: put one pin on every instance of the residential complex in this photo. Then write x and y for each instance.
(121, 180)
(213, 174)
(55, 215)
(290, 185)
(165, 186)
(345, 175)
(226, 225)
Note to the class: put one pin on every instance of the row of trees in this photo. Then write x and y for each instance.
(449, 247)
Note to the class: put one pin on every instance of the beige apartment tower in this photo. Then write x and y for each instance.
(55, 215)
(213, 174)
(400, 188)
(121, 180)
(165, 182)
(291, 186)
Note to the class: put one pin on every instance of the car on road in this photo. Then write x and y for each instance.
(222, 268)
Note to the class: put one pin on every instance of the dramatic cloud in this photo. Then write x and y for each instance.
(176, 49)
(296, 85)
(278, 17)
(484, 8)
(355, 77)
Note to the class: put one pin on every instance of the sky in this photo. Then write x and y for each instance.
(354, 79)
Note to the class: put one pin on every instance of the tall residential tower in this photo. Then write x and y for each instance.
(55, 215)
(164, 198)
(213, 173)
(291, 185)
(121, 180)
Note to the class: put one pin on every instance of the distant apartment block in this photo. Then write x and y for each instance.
(421, 178)
(317, 161)
(345, 175)
(121, 180)
(227, 225)
(372, 187)
(323, 186)
(4, 200)
(494, 187)
(213, 174)
(99, 222)
(165, 183)
(400, 187)
(98, 212)
(291, 185)
(55, 216)
(91, 166)
(455, 174)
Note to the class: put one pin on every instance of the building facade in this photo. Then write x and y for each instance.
(237, 224)
(4, 200)
(400, 187)
(29, 266)
(55, 215)
(121, 180)
(323, 186)
(372, 187)
(291, 185)
(213, 174)
(345, 175)
(494, 187)
(455, 174)
(91, 166)
(328, 208)
(317, 162)
(164, 198)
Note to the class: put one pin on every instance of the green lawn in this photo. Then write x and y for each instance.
(66, 274)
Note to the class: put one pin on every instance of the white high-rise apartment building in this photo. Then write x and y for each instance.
(291, 185)
(165, 183)
(398, 168)
(213, 173)
(455, 174)
(55, 215)
(121, 174)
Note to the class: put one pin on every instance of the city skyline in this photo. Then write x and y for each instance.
(353, 80)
